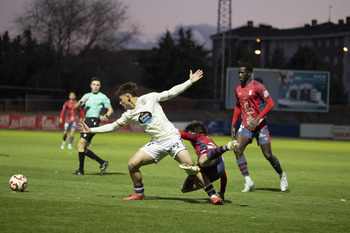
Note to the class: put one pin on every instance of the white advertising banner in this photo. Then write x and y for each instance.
(316, 130)
(291, 90)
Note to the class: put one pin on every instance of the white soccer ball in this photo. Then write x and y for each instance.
(18, 182)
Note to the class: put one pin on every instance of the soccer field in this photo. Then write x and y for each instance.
(317, 200)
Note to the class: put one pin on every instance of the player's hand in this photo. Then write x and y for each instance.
(221, 195)
(103, 118)
(233, 132)
(78, 105)
(83, 128)
(254, 123)
(84, 100)
(196, 76)
(61, 120)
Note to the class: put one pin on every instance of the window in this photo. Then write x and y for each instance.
(335, 61)
(327, 42)
(319, 43)
(326, 59)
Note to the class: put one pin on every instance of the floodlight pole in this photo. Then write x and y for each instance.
(224, 27)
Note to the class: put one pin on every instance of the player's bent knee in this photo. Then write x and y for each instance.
(186, 190)
(133, 165)
(206, 163)
(238, 151)
(201, 164)
(268, 156)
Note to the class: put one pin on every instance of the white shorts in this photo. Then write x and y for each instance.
(158, 149)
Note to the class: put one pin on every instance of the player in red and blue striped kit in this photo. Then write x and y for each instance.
(209, 156)
(71, 119)
(253, 102)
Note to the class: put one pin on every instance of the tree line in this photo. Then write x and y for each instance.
(66, 42)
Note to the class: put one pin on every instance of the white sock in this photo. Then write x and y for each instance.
(248, 179)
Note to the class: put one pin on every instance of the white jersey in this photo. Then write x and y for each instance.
(148, 114)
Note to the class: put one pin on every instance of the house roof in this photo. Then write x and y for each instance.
(328, 29)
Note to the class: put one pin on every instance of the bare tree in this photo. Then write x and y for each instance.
(74, 25)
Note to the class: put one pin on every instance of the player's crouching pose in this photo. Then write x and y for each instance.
(209, 156)
(148, 114)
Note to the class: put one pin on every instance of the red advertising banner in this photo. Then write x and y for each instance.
(23, 122)
(4, 121)
(47, 123)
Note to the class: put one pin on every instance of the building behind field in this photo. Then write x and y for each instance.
(330, 40)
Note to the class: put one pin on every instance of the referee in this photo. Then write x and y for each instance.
(93, 103)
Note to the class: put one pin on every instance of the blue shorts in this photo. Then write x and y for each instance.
(216, 171)
(262, 135)
(70, 125)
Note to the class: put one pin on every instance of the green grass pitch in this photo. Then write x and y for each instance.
(317, 200)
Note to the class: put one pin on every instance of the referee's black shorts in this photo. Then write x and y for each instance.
(91, 122)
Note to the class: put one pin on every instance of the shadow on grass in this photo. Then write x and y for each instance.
(25, 191)
(186, 200)
(107, 174)
(5, 155)
(270, 189)
(153, 198)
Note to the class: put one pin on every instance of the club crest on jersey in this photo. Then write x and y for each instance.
(250, 92)
(246, 103)
(145, 117)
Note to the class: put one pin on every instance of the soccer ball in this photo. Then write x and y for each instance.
(18, 182)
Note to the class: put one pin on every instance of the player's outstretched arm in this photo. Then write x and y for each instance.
(196, 76)
(101, 129)
(178, 89)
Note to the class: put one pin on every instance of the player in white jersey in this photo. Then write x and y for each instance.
(166, 139)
